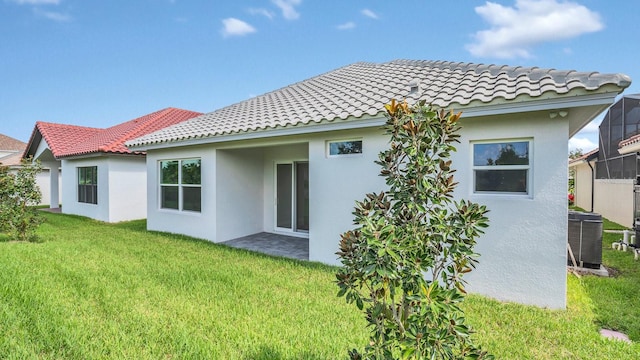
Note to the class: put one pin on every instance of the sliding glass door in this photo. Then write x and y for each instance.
(292, 196)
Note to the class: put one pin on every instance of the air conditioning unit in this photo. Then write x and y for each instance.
(585, 239)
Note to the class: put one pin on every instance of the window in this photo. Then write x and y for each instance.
(502, 167)
(180, 186)
(88, 184)
(344, 147)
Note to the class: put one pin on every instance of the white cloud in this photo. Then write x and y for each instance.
(288, 8)
(52, 15)
(516, 30)
(592, 127)
(346, 26)
(368, 13)
(261, 11)
(235, 27)
(581, 143)
(37, 2)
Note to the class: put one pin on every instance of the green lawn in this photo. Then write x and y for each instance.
(617, 299)
(95, 290)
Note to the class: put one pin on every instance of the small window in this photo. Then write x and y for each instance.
(88, 184)
(180, 185)
(502, 167)
(344, 147)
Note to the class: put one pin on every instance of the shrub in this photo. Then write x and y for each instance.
(18, 194)
(403, 264)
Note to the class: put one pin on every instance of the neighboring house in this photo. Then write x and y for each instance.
(102, 179)
(582, 169)
(605, 177)
(11, 155)
(295, 160)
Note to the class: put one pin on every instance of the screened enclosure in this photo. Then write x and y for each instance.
(621, 122)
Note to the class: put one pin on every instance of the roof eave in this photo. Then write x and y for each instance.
(631, 148)
(601, 100)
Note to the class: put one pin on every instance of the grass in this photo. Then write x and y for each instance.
(617, 298)
(95, 290)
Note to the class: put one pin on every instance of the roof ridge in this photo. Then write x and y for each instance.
(113, 138)
(152, 117)
(67, 125)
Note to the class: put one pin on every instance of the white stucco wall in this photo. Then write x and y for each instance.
(121, 188)
(523, 252)
(127, 188)
(239, 193)
(44, 184)
(200, 225)
(613, 199)
(70, 204)
(336, 184)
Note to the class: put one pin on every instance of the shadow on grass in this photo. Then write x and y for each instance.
(268, 353)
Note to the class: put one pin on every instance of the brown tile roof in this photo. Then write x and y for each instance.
(12, 160)
(71, 140)
(9, 143)
(13, 146)
(362, 89)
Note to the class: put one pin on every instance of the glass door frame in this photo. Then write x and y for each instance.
(294, 230)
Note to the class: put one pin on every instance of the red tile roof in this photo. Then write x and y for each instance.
(71, 140)
(584, 156)
(632, 140)
(61, 138)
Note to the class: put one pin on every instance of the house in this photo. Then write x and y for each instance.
(101, 178)
(11, 151)
(604, 178)
(582, 171)
(294, 161)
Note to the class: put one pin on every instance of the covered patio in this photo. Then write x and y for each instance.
(273, 244)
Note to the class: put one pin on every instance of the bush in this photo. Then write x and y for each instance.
(403, 264)
(18, 196)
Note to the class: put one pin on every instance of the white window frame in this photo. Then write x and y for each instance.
(528, 167)
(179, 185)
(328, 148)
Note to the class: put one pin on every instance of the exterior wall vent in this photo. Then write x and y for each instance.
(414, 86)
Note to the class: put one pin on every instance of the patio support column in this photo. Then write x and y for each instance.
(54, 185)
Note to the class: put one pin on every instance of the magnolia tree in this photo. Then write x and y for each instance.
(403, 264)
(18, 194)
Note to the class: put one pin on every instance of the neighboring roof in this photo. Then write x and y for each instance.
(591, 155)
(361, 89)
(71, 140)
(9, 143)
(632, 140)
(12, 160)
(13, 146)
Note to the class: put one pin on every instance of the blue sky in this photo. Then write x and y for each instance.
(100, 63)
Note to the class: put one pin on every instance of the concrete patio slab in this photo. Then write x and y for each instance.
(273, 244)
